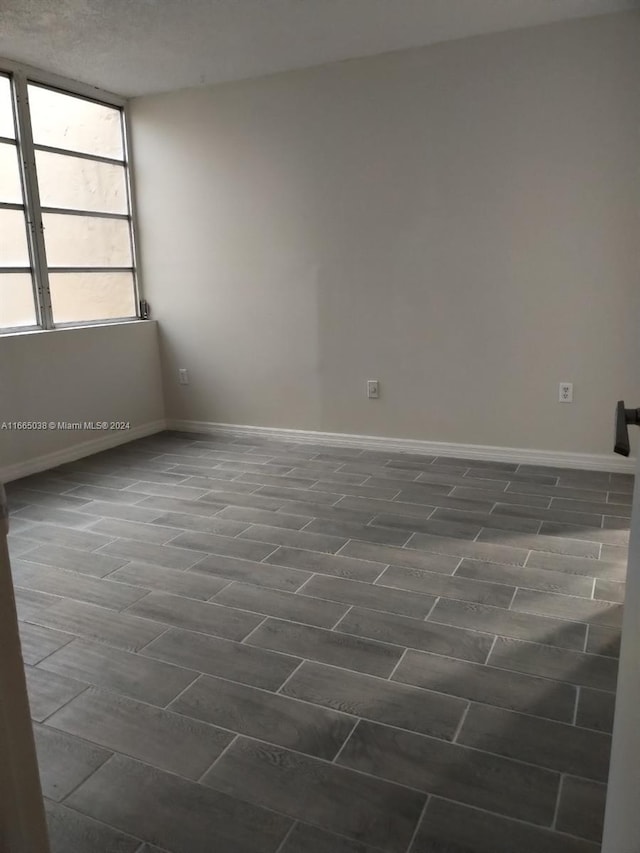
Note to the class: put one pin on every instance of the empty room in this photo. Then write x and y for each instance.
(319, 367)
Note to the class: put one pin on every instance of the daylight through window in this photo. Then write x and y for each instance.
(66, 248)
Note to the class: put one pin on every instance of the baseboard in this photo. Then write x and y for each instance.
(517, 455)
(78, 451)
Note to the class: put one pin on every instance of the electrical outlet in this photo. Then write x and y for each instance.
(565, 392)
(373, 389)
(183, 376)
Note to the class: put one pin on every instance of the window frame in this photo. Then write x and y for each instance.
(20, 76)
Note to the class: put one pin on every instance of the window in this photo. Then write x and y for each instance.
(66, 242)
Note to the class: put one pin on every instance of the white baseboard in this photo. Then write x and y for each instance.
(78, 451)
(517, 455)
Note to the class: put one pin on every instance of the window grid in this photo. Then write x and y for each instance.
(39, 268)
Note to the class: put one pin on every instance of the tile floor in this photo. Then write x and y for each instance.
(236, 646)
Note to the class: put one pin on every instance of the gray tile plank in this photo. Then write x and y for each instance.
(568, 607)
(558, 515)
(225, 658)
(309, 839)
(603, 641)
(100, 493)
(487, 519)
(158, 506)
(126, 794)
(437, 527)
(326, 564)
(226, 546)
(337, 512)
(64, 761)
(71, 832)
(102, 509)
(432, 583)
(189, 493)
(297, 607)
(294, 538)
(348, 530)
(182, 522)
(308, 496)
(408, 557)
(557, 746)
(130, 674)
(540, 542)
(169, 556)
(49, 691)
(334, 798)
(453, 828)
(262, 574)
(208, 618)
(586, 670)
(510, 690)
(609, 591)
(413, 633)
(597, 507)
(156, 736)
(30, 601)
(581, 809)
(189, 584)
(542, 579)
(266, 716)
(264, 516)
(362, 655)
(466, 775)
(83, 540)
(577, 566)
(101, 624)
(38, 642)
(117, 528)
(351, 592)
(51, 515)
(496, 620)
(74, 585)
(377, 699)
(83, 562)
(471, 550)
(596, 709)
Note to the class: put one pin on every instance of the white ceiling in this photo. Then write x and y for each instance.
(136, 47)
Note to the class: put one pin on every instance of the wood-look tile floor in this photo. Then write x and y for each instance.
(268, 647)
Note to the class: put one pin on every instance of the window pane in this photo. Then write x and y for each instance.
(79, 297)
(14, 251)
(80, 184)
(86, 241)
(66, 121)
(10, 186)
(7, 127)
(16, 300)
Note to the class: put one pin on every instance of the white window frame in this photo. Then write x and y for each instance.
(20, 76)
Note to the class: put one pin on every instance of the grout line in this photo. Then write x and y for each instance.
(557, 808)
(218, 757)
(490, 652)
(344, 615)
(575, 710)
(64, 704)
(419, 822)
(461, 723)
(253, 630)
(287, 836)
(346, 741)
(397, 664)
(513, 598)
(586, 639)
(287, 680)
(433, 606)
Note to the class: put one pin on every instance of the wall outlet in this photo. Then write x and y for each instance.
(373, 389)
(183, 376)
(565, 392)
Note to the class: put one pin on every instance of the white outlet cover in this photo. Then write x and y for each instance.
(565, 392)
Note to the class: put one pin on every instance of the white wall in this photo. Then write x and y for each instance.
(460, 222)
(101, 373)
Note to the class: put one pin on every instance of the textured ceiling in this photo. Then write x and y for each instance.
(136, 47)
